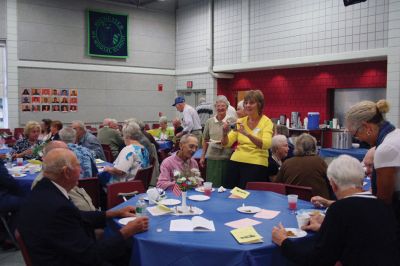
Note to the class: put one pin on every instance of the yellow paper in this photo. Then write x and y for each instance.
(246, 235)
(240, 192)
(164, 208)
(33, 161)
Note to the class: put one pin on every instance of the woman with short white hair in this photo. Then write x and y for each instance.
(358, 229)
(306, 168)
(132, 157)
(279, 151)
(217, 155)
(163, 132)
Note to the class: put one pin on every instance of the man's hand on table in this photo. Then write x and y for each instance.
(279, 234)
(128, 211)
(140, 224)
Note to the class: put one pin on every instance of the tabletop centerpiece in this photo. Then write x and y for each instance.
(185, 181)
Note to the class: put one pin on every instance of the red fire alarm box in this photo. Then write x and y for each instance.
(189, 84)
(160, 87)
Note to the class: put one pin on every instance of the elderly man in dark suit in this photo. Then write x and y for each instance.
(57, 233)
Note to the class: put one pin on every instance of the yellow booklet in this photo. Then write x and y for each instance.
(241, 193)
(247, 235)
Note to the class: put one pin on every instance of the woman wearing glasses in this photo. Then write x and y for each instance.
(366, 122)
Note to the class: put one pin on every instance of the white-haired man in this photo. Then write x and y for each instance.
(57, 233)
(180, 161)
(110, 135)
(191, 120)
(88, 140)
(358, 229)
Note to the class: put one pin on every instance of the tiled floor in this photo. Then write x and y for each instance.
(11, 258)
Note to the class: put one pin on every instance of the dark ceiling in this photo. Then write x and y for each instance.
(166, 5)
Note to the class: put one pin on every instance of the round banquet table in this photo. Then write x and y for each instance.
(356, 153)
(212, 248)
(165, 144)
(25, 182)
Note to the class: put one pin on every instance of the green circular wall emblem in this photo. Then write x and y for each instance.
(108, 34)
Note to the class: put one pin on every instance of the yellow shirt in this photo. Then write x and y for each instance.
(247, 151)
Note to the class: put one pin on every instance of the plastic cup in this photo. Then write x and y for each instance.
(302, 219)
(32, 170)
(20, 161)
(207, 188)
(292, 201)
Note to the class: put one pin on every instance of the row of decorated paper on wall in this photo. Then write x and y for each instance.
(49, 100)
(48, 108)
(49, 92)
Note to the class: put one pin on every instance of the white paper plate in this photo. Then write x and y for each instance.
(170, 202)
(298, 232)
(248, 209)
(311, 211)
(201, 189)
(18, 175)
(99, 161)
(199, 197)
(100, 168)
(126, 220)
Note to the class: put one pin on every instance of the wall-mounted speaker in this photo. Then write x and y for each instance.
(352, 2)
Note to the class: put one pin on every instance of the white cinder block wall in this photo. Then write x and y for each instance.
(193, 47)
(260, 34)
(46, 45)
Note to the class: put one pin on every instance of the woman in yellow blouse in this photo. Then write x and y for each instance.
(163, 132)
(253, 134)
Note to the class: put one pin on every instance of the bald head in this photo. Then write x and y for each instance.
(55, 144)
(368, 161)
(61, 166)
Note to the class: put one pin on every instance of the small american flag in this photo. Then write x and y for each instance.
(176, 190)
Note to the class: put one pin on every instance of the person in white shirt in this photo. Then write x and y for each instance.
(204, 110)
(191, 120)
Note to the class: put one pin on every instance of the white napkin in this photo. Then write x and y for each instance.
(221, 189)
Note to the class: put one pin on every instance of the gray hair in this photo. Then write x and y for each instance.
(163, 119)
(277, 141)
(132, 131)
(346, 172)
(56, 165)
(67, 134)
(140, 123)
(222, 98)
(305, 145)
(79, 123)
(184, 138)
(240, 105)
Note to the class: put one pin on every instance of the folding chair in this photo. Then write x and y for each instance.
(108, 153)
(92, 187)
(3, 218)
(267, 186)
(304, 193)
(116, 191)
(145, 175)
(24, 250)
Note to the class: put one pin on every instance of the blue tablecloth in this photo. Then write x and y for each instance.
(25, 182)
(212, 248)
(5, 150)
(165, 144)
(357, 153)
(197, 154)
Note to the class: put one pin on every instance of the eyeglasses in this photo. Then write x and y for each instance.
(355, 133)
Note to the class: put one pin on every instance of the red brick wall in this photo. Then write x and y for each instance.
(304, 89)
